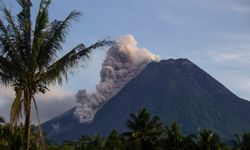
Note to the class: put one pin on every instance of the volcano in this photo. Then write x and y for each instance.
(175, 90)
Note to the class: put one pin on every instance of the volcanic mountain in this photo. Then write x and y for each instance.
(174, 90)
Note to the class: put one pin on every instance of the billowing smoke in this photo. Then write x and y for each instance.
(123, 62)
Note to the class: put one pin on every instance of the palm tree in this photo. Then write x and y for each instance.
(242, 142)
(174, 140)
(96, 143)
(29, 59)
(68, 145)
(114, 141)
(83, 143)
(145, 130)
(207, 140)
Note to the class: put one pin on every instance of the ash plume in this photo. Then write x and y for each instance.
(123, 62)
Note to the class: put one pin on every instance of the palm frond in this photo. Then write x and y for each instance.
(131, 125)
(24, 20)
(54, 37)
(11, 21)
(41, 136)
(8, 51)
(42, 17)
(14, 33)
(8, 71)
(6, 42)
(59, 70)
(42, 21)
(16, 107)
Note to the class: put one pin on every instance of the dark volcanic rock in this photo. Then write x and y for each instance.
(175, 90)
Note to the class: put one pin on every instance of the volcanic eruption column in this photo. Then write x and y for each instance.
(123, 62)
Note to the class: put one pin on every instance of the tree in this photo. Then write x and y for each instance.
(68, 145)
(145, 131)
(207, 140)
(174, 140)
(114, 141)
(96, 142)
(29, 60)
(83, 143)
(242, 142)
(11, 138)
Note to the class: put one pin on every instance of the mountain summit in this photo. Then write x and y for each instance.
(174, 90)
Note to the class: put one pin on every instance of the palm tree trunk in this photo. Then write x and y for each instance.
(27, 122)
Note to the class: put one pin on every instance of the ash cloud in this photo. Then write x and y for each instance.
(123, 62)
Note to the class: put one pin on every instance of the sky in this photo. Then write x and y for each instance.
(214, 34)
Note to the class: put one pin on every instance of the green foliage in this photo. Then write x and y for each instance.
(207, 140)
(11, 137)
(144, 128)
(114, 141)
(68, 145)
(174, 140)
(145, 131)
(82, 143)
(53, 147)
(95, 142)
(242, 142)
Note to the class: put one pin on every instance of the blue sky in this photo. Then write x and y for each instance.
(214, 34)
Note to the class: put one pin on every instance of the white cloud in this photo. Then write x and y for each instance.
(6, 94)
(236, 81)
(230, 65)
(235, 53)
(241, 57)
(241, 8)
(50, 104)
(175, 18)
(55, 93)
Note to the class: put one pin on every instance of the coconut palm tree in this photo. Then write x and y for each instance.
(145, 131)
(242, 142)
(173, 139)
(83, 142)
(29, 56)
(96, 142)
(114, 141)
(207, 140)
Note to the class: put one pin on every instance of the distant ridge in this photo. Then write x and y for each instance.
(175, 90)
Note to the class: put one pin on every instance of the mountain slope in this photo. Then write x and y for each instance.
(175, 90)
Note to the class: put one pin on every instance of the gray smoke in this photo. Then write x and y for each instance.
(123, 62)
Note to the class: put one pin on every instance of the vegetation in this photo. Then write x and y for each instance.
(174, 140)
(145, 133)
(29, 60)
(11, 138)
(242, 142)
